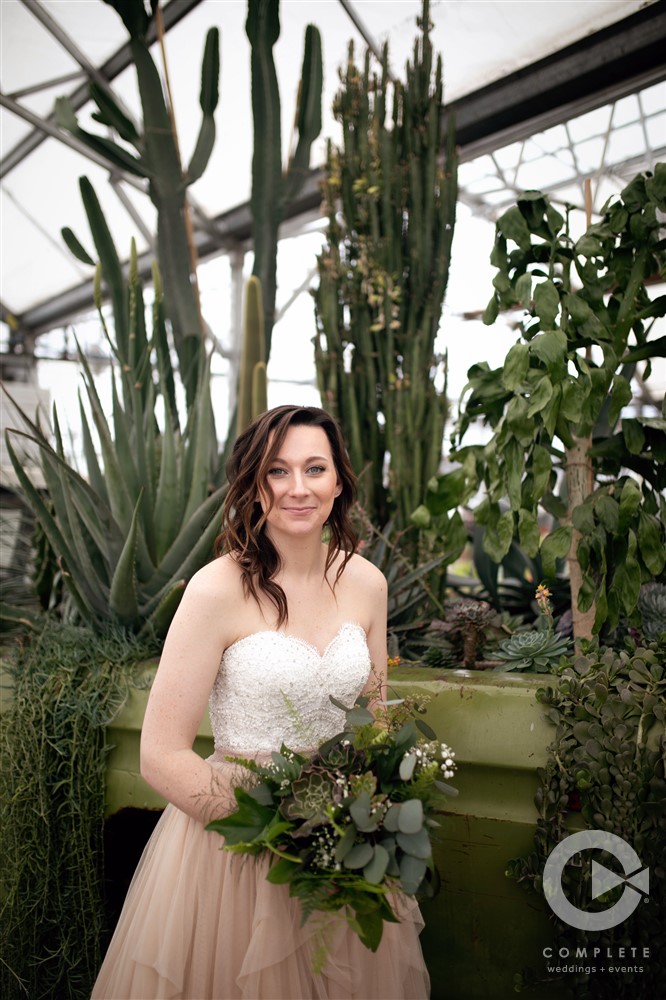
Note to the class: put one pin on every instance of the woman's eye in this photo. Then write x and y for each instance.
(275, 472)
(316, 468)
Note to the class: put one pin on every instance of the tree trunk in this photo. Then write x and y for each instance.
(580, 483)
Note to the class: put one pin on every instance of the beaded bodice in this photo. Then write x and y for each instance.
(274, 688)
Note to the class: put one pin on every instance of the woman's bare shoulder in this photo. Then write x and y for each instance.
(362, 573)
(219, 580)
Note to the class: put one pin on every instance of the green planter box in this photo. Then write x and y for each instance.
(482, 928)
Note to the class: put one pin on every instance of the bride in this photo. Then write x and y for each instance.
(264, 634)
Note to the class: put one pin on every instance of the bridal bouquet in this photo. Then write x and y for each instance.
(352, 823)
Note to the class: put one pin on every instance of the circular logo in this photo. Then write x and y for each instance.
(602, 880)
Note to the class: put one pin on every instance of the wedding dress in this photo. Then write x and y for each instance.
(200, 923)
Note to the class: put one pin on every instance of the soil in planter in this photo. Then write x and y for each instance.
(126, 833)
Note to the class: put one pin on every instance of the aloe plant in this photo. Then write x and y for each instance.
(157, 159)
(131, 533)
(383, 275)
(273, 190)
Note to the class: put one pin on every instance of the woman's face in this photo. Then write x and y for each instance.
(303, 482)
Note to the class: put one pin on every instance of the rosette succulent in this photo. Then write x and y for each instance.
(312, 795)
(652, 609)
(539, 650)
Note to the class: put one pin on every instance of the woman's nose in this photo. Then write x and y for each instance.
(298, 484)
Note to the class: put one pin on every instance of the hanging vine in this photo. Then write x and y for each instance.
(66, 684)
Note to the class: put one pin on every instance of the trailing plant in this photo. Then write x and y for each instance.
(151, 152)
(559, 405)
(272, 190)
(390, 194)
(20, 602)
(68, 683)
(607, 759)
(143, 521)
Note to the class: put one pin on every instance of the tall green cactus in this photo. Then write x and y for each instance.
(383, 275)
(130, 351)
(157, 159)
(252, 374)
(272, 191)
(131, 533)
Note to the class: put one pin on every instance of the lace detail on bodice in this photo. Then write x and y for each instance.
(274, 688)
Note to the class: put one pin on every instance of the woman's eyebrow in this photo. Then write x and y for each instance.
(312, 458)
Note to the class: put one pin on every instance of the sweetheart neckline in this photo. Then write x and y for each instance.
(296, 638)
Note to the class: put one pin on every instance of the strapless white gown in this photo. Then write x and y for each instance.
(202, 924)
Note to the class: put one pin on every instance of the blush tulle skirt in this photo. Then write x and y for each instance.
(200, 923)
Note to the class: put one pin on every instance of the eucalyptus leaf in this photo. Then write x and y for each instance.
(359, 856)
(427, 730)
(407, 765)
(416, 844)
(375, 870)
(412, 873)
(391, 819)
(346, 842)
(410, 819)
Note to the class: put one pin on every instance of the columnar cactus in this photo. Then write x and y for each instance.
(272, 191)
(383, 276)
(157, 159)
(252, 375)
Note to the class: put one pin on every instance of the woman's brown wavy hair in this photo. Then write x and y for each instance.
(243, 519)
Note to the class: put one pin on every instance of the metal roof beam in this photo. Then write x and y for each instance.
(603, 67)
(173, 12)
(47, 128)
(628, 53)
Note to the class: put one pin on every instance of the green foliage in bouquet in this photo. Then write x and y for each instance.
(353, 823)
(607, 761)
(131, 533)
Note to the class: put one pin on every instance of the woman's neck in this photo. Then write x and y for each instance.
(301, 559)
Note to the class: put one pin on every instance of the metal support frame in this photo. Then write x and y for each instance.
(39, 11)
(605, 66)
(173, 12)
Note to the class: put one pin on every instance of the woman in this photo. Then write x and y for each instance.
(265, 633)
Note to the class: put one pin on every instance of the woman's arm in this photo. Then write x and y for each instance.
(375, 591)
(188, 667)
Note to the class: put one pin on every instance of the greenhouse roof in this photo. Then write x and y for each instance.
(511, 69)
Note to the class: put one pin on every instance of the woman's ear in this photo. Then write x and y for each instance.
(338, 489)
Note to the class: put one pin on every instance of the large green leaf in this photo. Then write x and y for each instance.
(123, 599)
